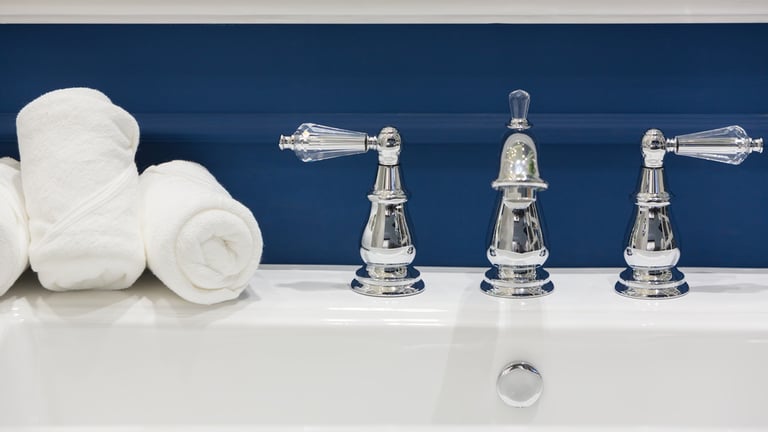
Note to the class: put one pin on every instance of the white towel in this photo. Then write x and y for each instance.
(14, 235)
(200, 242)
(81, 188)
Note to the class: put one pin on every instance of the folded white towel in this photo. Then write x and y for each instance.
(200, 242)
(14, 235)
(81, 188)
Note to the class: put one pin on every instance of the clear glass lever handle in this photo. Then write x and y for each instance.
(729, 145)
(519, 101)
(312, 142)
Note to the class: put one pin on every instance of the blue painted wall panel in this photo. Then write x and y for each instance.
(221, 94)
(394, 68)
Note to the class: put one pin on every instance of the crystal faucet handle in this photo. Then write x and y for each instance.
(729, 144)
(519, 101)
(312, 142)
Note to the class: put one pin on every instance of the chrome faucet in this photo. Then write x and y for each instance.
(652, 253)
(386, 247)
(517, 251)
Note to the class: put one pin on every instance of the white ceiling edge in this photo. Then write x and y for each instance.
(383, 11)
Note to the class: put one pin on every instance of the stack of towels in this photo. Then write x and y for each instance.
(78, 212)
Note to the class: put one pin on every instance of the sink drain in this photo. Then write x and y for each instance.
(519, 385)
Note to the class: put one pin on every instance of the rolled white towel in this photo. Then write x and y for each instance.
(81, 188)
(200, 242)
(14, 235)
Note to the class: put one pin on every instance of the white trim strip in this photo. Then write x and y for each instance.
(383, 11)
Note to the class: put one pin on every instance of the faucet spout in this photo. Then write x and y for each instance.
(517, 249)
(519, 166)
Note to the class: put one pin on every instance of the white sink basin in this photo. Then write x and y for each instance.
(300, 351)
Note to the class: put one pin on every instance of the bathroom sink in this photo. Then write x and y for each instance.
(301, 351)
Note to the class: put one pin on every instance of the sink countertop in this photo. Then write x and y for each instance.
(308, 295)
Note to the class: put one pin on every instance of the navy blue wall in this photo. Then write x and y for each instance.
(221, 95)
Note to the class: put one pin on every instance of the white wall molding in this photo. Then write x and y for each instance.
(383, 11)
(422, 128)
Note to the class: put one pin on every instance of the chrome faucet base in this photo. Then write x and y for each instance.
(516, 282)
(384, 281)
(652, 284)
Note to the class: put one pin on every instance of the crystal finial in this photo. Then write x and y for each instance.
(519, 101)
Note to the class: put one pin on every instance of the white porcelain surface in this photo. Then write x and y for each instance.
(300, 351)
